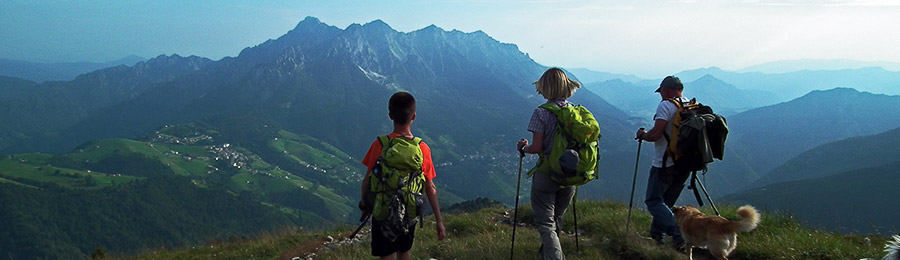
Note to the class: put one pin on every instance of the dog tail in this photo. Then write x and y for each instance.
(892, 248)
(749, 219)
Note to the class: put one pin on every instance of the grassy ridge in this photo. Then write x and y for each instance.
(485, 235)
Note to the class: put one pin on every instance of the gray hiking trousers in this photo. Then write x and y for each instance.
(549, 201)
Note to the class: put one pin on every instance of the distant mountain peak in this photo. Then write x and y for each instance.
(431, 28)
(836, 91)
(709, 79)
(377, 26)
(308, 25)
(309, 20)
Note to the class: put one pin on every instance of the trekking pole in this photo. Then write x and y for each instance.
(707, 195)
(516, 208)
(575, 212)
(633, 181)
(365, 220)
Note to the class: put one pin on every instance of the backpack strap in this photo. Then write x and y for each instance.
(678, 105)
(385, 143)
(554, 108)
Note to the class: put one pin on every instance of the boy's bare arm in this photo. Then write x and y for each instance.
(362, 196)
(431, 193)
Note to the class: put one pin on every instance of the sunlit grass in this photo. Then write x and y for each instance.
(486, 235)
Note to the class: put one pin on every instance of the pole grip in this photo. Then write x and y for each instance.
(522, 150)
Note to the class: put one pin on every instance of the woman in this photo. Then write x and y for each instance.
(548, 199)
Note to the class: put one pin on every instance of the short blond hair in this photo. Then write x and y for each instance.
(554, 84)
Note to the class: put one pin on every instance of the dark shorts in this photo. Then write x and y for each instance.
(382, 247)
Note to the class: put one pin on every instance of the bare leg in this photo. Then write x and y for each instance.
(403, 256)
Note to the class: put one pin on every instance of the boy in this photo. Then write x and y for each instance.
(402, 110)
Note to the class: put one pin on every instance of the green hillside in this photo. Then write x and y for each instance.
(858, 201)
(485, 234)
(57, 222)
(144, 187)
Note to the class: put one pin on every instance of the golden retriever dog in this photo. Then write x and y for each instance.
(715, 233)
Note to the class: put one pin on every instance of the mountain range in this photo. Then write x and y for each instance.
(639, 99)
(786, 66)
(60, 71)
(302, 109)
(319, 81)
(817, 118)
(787, 86)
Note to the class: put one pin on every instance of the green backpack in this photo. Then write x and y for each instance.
(397, 180)
(574, 155)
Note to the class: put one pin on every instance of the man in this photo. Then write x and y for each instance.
(665, 183)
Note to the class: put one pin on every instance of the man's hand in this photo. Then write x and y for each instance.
(640, 133)
(521, 144)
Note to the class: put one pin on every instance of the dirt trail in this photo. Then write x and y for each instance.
(310, 248)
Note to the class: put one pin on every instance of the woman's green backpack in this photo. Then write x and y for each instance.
(574, 155)
(397, 180)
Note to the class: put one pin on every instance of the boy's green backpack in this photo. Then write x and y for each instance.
(397, 180)
(574, 156)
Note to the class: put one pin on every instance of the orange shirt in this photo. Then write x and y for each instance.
(375, 151)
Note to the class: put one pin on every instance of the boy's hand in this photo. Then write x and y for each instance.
(362, 207)
(440, 230)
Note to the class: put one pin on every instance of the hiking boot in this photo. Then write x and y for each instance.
(678, 243)
(659, 238)
(540, 253)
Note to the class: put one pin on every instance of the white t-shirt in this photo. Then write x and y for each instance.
(665, 111)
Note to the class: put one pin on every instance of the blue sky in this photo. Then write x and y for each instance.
(643, 37)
